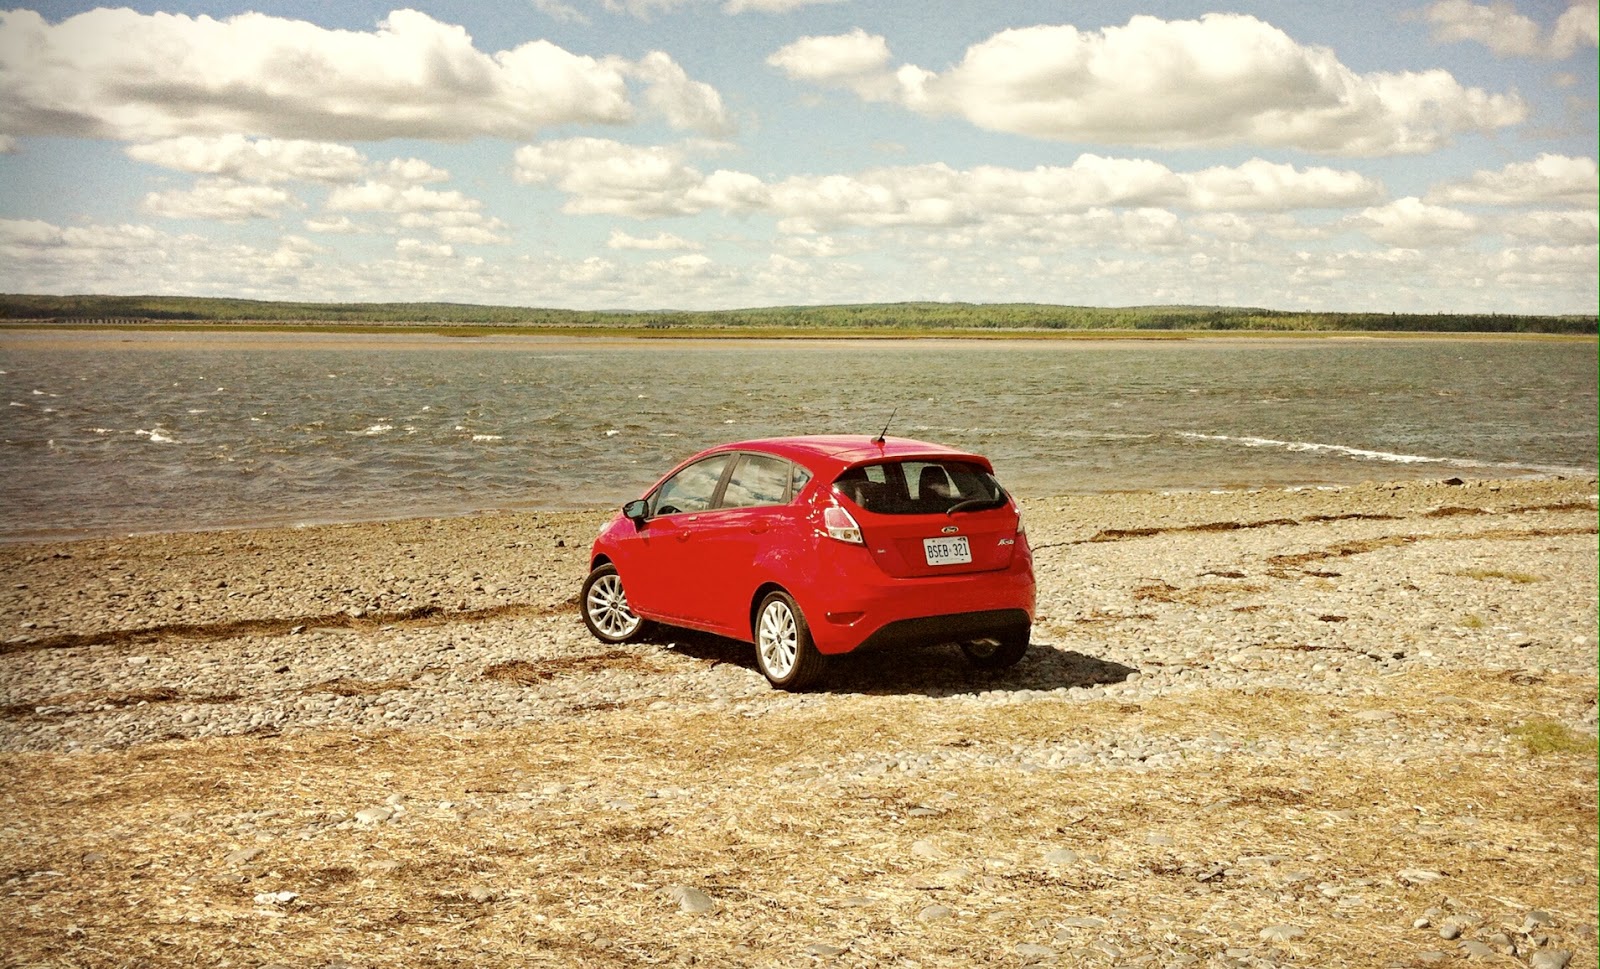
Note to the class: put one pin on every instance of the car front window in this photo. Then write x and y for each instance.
(691, 489)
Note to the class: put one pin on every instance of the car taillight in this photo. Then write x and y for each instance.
(841, 526)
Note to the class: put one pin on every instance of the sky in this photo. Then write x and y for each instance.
(717, 154)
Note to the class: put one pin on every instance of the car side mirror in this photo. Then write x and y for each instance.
(636, 511)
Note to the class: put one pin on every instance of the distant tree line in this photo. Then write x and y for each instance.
(869, 317)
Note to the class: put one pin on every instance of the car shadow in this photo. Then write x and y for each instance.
(930, 670)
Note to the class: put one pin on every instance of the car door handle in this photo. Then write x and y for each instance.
(759, 528)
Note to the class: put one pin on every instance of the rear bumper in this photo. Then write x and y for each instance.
(960, 627)
(858, 606)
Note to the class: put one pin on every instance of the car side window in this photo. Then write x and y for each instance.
(690, 489)
(758, 479)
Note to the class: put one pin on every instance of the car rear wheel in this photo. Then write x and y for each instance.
(784, 651)
(605, 607)
(996, 652)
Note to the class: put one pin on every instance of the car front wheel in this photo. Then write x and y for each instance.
(997, 652)
(784, 651)
(605, 607)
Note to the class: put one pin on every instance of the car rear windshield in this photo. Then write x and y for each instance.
(920, 487)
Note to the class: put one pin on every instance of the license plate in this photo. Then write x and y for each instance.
(947, 551)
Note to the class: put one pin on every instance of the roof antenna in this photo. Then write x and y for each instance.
(879, 440)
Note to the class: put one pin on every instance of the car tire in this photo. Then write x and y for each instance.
(997, 652)
(785, 653)
(605, 609)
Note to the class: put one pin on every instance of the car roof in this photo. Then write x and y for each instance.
(835, 452)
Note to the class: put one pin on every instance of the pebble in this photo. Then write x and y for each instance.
(1550, 959)
(1037, 953)
(690, 899)
(934, 913)
(925, 849)
(241, 856)
(1282, 933)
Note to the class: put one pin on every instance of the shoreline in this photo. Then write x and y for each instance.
(291, 522)
(470, 334)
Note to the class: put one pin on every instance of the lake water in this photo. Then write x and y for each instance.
(111, 432)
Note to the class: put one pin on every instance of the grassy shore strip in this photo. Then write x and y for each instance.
(602, 332)
(892, 318)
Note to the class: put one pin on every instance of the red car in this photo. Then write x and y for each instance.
(814, 546)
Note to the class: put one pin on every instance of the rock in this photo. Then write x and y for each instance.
(1534, 919)
(925, 849)
(1419, 876)
(241, 856)
(691, 900)
(1062, 856)
(275, 898)
(823, 949)
(934, 913)
(1479, 950)
(1433, 957)
(1550, 959)
(374, 815)
(1282, 933)
(1450, 931)
(1037, 953)
(1084, 922)
(482, 894)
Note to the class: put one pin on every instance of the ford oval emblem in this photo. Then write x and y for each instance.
(950, 529)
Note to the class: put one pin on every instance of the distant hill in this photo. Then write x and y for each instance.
(870, 317)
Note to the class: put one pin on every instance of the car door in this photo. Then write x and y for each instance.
(665, 575)
(748, 525)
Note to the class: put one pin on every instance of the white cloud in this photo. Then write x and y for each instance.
(607, 177)
(259, 160)
(1546, 180)
(335, 225)
(373, 196)
(1572, 227)
(771, 6)
(660, 241)
(412, 171)
(417, 249)
(1413, 224)
(123, 75)
(686, 104)
(857, 60)
(560, 12)
(1576, 29)
(460, 226)
(1508, 33)
(221, 199)
(1221, 80)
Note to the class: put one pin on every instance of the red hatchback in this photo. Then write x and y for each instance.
(815, 546)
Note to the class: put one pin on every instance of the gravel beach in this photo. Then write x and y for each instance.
(1316, 727)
